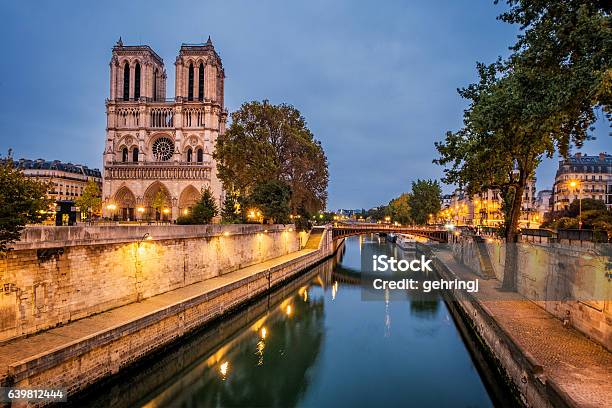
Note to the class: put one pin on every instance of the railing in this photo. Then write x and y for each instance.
(143, 99)
(567, 234)
(183, 99)
(583, 235)
(168, 163)
(341, 230)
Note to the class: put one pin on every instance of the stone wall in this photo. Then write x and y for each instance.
(56, 275)
(76, 365)
(570, 282)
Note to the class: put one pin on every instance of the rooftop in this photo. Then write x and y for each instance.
(41, 164)
(579, 158)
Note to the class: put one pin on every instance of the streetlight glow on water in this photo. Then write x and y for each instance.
(303, 345)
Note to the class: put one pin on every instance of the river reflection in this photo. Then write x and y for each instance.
(314, 342)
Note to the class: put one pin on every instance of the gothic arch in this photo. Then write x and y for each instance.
(149, 199)
(125, 201)
(189, 197)
(156, 136)
(126, 80)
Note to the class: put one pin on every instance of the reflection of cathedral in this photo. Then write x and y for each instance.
(158, 150)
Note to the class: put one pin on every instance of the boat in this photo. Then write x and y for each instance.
(406, 242)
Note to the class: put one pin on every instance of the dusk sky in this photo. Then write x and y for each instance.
(376, 81)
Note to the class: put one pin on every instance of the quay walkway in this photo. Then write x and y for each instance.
(578, 369)
(79, 353)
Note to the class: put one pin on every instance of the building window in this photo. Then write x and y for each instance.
(137, 81)
(189, 155)
(126, 82)
(190, 84)
(201, 82)
(124, 155)
(200, 155)
(163, 149)
(155, 84)
(135, 154)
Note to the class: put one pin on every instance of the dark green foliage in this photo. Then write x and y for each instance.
(540, 100)
(424, 200)
(587, 204)
(22, 201)
(272, 142)
(272, 199)
(231, 211)
(204, 210)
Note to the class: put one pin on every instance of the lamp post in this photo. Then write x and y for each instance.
(577, 184)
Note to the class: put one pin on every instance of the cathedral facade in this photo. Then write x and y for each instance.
(158, 151)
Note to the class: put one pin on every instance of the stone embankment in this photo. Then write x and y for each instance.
(190, 280)
(545, 363)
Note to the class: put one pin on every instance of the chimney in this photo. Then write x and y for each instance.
(578, 155)
(602, 156)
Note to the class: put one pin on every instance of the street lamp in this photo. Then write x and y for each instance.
(577, 184)
(111, 207)
(140, 211)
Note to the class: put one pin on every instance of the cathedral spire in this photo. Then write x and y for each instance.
(119, 42)
(209, 42)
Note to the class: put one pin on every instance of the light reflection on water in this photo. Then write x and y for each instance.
(316, 343)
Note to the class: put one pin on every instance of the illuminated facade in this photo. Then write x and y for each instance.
(583, 176)
(485, 209)
(67, 180)
(158, 151)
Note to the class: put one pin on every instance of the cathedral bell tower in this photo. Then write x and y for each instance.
(158, 152)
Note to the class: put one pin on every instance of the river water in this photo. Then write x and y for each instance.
(314, 343)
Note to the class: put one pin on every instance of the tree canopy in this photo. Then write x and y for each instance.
(272, 199)
(540, 100)
(424, 200)
(231, 213)
(91, 200)
(22, 201)
(399, 209)
(272, 142)
(203, 211)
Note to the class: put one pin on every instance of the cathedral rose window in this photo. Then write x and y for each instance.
(163, 148)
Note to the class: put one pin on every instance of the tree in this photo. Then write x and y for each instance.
(425, 200)
(377, 213)
(90, 201)
(160, 202)
(205, 209)
(587, 204)
(22, 201)
(231, 212)
(399, 209)
(541, 99)
(272, 142)
(272, 198)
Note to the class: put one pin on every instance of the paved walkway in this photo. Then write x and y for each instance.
(579, 366)
(79, 330)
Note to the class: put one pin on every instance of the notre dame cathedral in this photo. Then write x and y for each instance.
(158, 151)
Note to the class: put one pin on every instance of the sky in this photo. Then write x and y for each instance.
(375, 80)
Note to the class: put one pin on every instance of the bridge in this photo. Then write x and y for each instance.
(341, 230)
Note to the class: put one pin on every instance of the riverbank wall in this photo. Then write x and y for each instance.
(56, 275)
(153, 373)
(82, 352)
(542, 363)
(570, 282)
